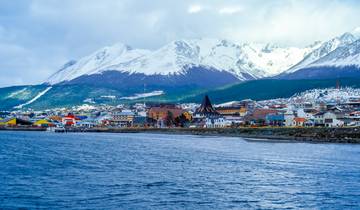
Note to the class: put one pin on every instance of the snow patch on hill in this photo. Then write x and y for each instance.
(33, 99)
(144, 95)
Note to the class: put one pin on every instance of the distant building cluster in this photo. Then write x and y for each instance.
(245, 113)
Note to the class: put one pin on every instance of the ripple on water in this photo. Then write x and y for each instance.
(141, 171)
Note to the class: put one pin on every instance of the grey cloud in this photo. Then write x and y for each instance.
(38, 36)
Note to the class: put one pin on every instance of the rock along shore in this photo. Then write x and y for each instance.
(281, 134)
(315, 135)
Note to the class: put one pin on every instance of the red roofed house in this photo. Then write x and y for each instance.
(69, 120)
(299, 121)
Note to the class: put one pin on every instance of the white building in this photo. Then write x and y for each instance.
(289, 117)
(330, 120)
(216, 122)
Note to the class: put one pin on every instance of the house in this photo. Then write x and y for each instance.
(299, 121)
(164, 114)
(232, 111)
(86, 124)
(258, 117)
(161, 112)
(125, 118)
(216, 122)
(55, 118)
(15, 122)
(319, 119)
(275, 119)
(235, 120)
(288, 118)
(304, 114)
(353, 117)
(140, 121)
(69, 120)
(327, 119)
(43, 123)
(331, 120)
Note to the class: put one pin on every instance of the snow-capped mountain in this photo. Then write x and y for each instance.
(337, 58)
(96, 62)
(348, 55)
(323, 49)
(212, 62)
(245, 61)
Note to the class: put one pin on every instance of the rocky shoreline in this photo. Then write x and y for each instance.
(314, 135)
(281, 134)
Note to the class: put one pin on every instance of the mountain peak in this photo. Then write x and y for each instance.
(356, 32)
(347, 37)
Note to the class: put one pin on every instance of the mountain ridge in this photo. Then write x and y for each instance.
(253, 60)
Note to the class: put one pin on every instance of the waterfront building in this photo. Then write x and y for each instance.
(216, 122)
(206, 115)
(11, 122)
(299, 121)
(289, 117)
(164, 115)
(258, 117)
(43, 123)
(331, 120)
(69, 120)
(124, 118)
(275, 119)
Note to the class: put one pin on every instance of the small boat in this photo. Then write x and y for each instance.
(56, 129)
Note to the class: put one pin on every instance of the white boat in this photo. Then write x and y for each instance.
(56, 129)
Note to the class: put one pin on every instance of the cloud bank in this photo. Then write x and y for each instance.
(38, 36)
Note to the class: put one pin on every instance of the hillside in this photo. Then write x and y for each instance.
(270, 89)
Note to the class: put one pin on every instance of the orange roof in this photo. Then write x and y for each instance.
(299, 119)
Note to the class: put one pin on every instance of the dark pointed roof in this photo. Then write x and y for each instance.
(206, 108)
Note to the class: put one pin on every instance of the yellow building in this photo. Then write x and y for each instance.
(43, 123)
(240, 111)
(9, 122)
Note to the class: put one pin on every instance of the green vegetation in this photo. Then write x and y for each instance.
(270, 89)
(70, 95)
(16, 95)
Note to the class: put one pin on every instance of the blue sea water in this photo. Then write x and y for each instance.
(40, 170)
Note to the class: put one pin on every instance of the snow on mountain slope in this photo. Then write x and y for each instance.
(170, 59)
(272, 59)
(33, 99)
(244, 61)
(103, 58)
(323, 50)
(348, 55)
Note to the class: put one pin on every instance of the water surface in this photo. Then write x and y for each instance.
(155, 171)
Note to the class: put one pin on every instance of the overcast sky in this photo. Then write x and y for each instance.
(39, 36)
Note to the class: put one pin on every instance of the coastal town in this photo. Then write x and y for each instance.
(329, 110)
